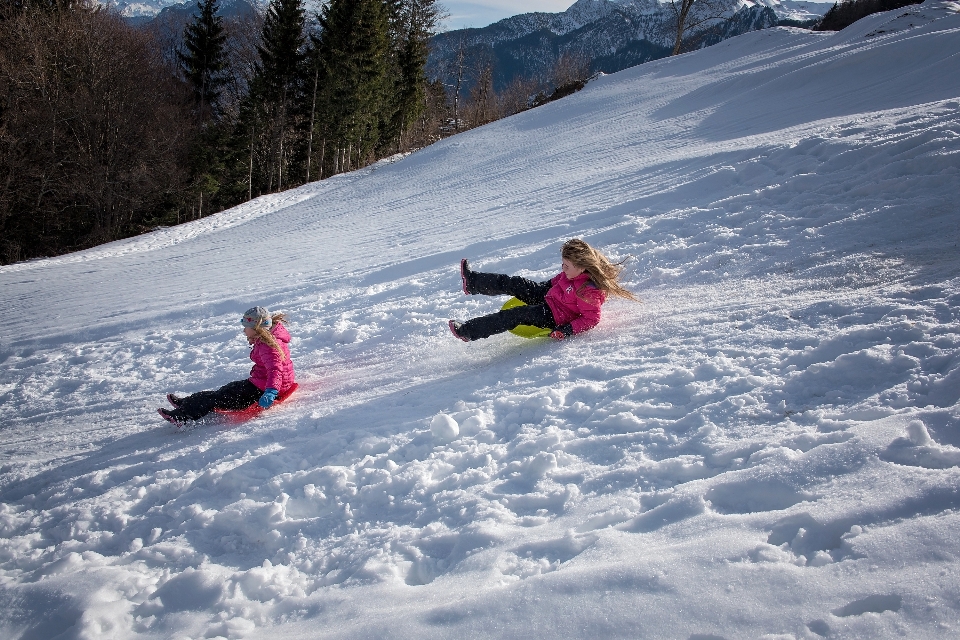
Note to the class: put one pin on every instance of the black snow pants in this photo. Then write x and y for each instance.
(535, 311)
(232, 396)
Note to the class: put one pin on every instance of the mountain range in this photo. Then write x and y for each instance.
(142, 13)
(611, 34)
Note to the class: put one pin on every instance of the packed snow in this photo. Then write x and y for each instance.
(767, 446)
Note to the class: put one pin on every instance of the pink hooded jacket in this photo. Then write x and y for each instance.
(575, 301)
(268, 370)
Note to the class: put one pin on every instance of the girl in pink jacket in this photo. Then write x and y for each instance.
(272, 373)
(568, 303)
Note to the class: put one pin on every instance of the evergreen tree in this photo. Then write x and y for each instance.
(281, 50)
(412, 23)
(312, 68)
(352, 53)
(204, 60)
(274, 95)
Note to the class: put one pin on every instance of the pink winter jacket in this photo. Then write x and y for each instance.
(268, 371)
(575, 301)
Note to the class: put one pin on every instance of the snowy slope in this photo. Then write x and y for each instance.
(767, 446)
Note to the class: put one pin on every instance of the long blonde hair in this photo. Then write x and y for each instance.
(267, 338)
(604, 274)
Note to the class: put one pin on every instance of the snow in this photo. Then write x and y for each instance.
(799, 10)
(144, 8)
(768, 446)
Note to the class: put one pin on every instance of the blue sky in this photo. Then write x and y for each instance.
(480, 14)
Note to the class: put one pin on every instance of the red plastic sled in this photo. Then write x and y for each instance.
(255, 409)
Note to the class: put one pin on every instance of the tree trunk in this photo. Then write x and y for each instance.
(323, 147)
(250, 171)
(313, 111)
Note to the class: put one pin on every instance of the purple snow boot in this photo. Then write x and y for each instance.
(464, 275)
(455, 329)
(172, 417)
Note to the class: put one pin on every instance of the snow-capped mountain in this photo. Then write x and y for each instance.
(141, 11)
(140, 8)
(612, 34)
(579, 14)
(585, 12)
(179, 13)
(798, 10)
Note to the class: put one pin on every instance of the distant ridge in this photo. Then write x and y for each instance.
(141, 13)
(611, 34)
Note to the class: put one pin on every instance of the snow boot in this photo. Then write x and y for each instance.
(455, 328)
(174, 416)
(465, 274)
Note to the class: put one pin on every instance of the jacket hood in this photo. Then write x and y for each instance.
(280, 332)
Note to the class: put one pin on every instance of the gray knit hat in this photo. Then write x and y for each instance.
(258, 316)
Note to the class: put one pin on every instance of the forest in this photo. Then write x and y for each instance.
(109, 130)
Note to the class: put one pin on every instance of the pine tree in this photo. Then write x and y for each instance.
(352, 52)
(281, 50)
(412, 23)
(274, 95)
(204, 60)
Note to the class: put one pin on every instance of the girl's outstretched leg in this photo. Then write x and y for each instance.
(233, 396)
(538, 315)
(498, 284)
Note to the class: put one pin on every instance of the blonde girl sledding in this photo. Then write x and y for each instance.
(567, 304)
(272, 374)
